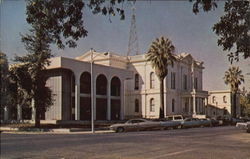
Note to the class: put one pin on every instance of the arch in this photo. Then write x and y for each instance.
(85, 101)
(173, 105)
(137, 105)
(224, 99)
(152, 105)
(136, 81)
(101, 85)
(85, 83)
(213, 99)
(101, 97)
(152, 80)
(115, 86)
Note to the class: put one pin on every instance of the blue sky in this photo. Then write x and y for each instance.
(173, 19)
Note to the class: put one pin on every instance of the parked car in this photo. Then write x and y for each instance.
(175, 117)
(173, 121)
(170, 124)
(136, 125)
(191, 122)
(244, 125)
(248, 127)
(205, 122)
(214, 122)
(234, 121)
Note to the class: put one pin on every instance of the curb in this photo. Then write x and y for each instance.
(56, 130)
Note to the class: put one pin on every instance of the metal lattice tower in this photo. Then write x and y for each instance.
(133, 46)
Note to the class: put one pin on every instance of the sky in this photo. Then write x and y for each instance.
(173, 19)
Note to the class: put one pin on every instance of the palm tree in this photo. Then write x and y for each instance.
(234, 77)
(160, 54)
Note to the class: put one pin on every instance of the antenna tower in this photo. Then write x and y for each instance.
(133, 46)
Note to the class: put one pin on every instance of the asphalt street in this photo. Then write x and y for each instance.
(197, 143)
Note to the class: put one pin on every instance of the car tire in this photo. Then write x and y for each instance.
(120, 130)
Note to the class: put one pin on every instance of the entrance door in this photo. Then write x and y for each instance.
(115, 109)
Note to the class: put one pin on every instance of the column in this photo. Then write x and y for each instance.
(205, 106)
(6, 114)
(77, 98)
(122, 112)
(189, 105)
(19, 113)
(194, 103)
(94, 96)
(109, 100)
(33, 115)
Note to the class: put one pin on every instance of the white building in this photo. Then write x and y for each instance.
(124, 87)
(220, 103)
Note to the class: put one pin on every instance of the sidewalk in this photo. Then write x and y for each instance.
(53, 131)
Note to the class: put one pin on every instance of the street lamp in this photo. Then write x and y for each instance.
(92, 89)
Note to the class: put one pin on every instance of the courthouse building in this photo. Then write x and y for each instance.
(123, 87)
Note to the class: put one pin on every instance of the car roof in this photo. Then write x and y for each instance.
(138, 119)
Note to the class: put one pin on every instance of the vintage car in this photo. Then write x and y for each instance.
(175, 117)
(170, 124)
(205, 122)
(136, 125)
(190, 123)
(244, 125)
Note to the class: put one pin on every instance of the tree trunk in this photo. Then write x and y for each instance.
(37, 118)
(161, 99)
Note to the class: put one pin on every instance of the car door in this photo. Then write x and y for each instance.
(133, 125)
(142, 125)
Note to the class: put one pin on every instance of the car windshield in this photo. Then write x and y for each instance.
(178, 118)
(170, 118)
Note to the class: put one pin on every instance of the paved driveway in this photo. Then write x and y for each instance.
(198, 143)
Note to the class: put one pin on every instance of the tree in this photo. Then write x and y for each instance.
(59, 23)
(50, 21)
(4, 81)
(20, 86)
(234, 78)
(245, 102)
(233, 28)
(160, 54)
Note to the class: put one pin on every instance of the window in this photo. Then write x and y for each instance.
(152, 80)
(136, 81)
(213, 99)
(152, 105)
(136, 105)
(186, 105)
(195, 83)
(136, 121)
(224, 99)
(173, 105)
(172, 80)
(185, 82)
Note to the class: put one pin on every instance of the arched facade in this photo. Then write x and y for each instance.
(101, 97)
(115, 88)
(85, 96)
